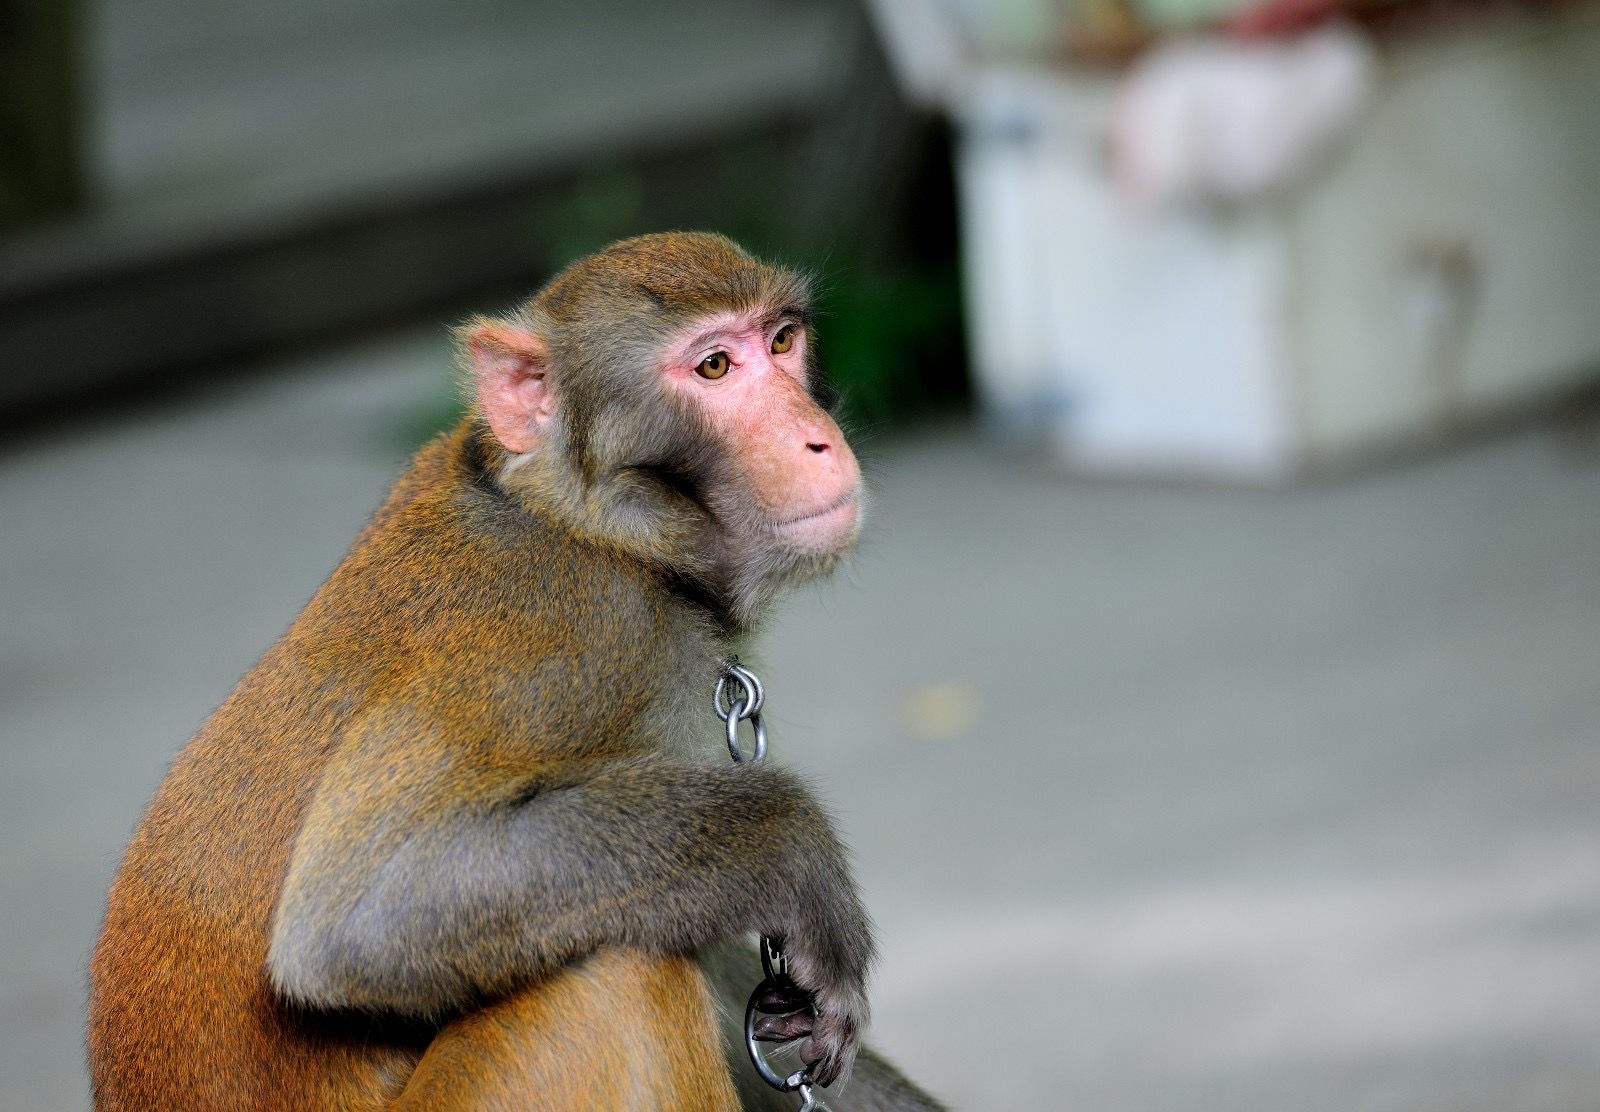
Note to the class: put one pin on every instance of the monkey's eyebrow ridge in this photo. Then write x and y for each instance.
(767, 321)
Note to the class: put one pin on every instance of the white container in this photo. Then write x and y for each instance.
(1442, 268)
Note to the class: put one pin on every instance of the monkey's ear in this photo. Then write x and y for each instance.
(508, 363)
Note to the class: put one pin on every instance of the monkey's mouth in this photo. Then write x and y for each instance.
(824, 525)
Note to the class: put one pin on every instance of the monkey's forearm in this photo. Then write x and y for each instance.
(644, 853)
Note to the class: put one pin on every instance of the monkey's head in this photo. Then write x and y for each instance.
(658, 397)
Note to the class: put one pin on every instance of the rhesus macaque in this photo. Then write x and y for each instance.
(463, 838)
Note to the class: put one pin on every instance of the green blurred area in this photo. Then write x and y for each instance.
(41, 170)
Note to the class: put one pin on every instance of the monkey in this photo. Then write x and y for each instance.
(456, 840)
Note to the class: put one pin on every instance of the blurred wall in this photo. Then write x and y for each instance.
(271, 174)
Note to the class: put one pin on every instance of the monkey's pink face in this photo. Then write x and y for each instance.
(747, 372)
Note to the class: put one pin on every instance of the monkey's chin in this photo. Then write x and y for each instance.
(828, 531)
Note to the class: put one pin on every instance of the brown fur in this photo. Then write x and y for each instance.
(445, 846)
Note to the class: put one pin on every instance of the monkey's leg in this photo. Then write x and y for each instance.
(877, 1085)
(621, 1029)
(874, 1085)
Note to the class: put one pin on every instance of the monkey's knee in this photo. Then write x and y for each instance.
(621, 1030)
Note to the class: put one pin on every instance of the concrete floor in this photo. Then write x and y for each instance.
(1164, 799)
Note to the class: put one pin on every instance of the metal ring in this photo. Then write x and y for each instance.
(771, 1076)
(740, 708)
(733, 739)
(752, 683)
(755, 694)
(722, 684)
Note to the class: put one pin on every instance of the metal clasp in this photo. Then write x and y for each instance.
(776, 969)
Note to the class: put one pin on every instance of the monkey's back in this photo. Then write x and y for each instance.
(180, 1013)
(180, 1010)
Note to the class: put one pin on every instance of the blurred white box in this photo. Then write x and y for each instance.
(1442, 267)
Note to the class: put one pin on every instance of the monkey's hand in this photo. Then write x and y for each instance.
(824, 1004)
(787, 1013)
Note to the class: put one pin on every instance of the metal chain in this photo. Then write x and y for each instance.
(745, 706)
(739, 697)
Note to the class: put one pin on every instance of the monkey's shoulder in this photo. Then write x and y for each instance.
(446, 550)
(501, 621)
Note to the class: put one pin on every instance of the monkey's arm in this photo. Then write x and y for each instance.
(427, 875)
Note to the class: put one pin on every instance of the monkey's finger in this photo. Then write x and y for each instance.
(783, 998)
(782, 1028)
(822, 1067)
(831, 1047)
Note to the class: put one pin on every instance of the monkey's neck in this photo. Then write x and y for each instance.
(684, 553)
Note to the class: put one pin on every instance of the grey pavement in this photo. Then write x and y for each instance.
(1163, 798)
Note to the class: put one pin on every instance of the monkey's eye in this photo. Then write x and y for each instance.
(784, 340)
(714, 365)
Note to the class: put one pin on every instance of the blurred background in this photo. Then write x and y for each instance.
(1214, 705)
